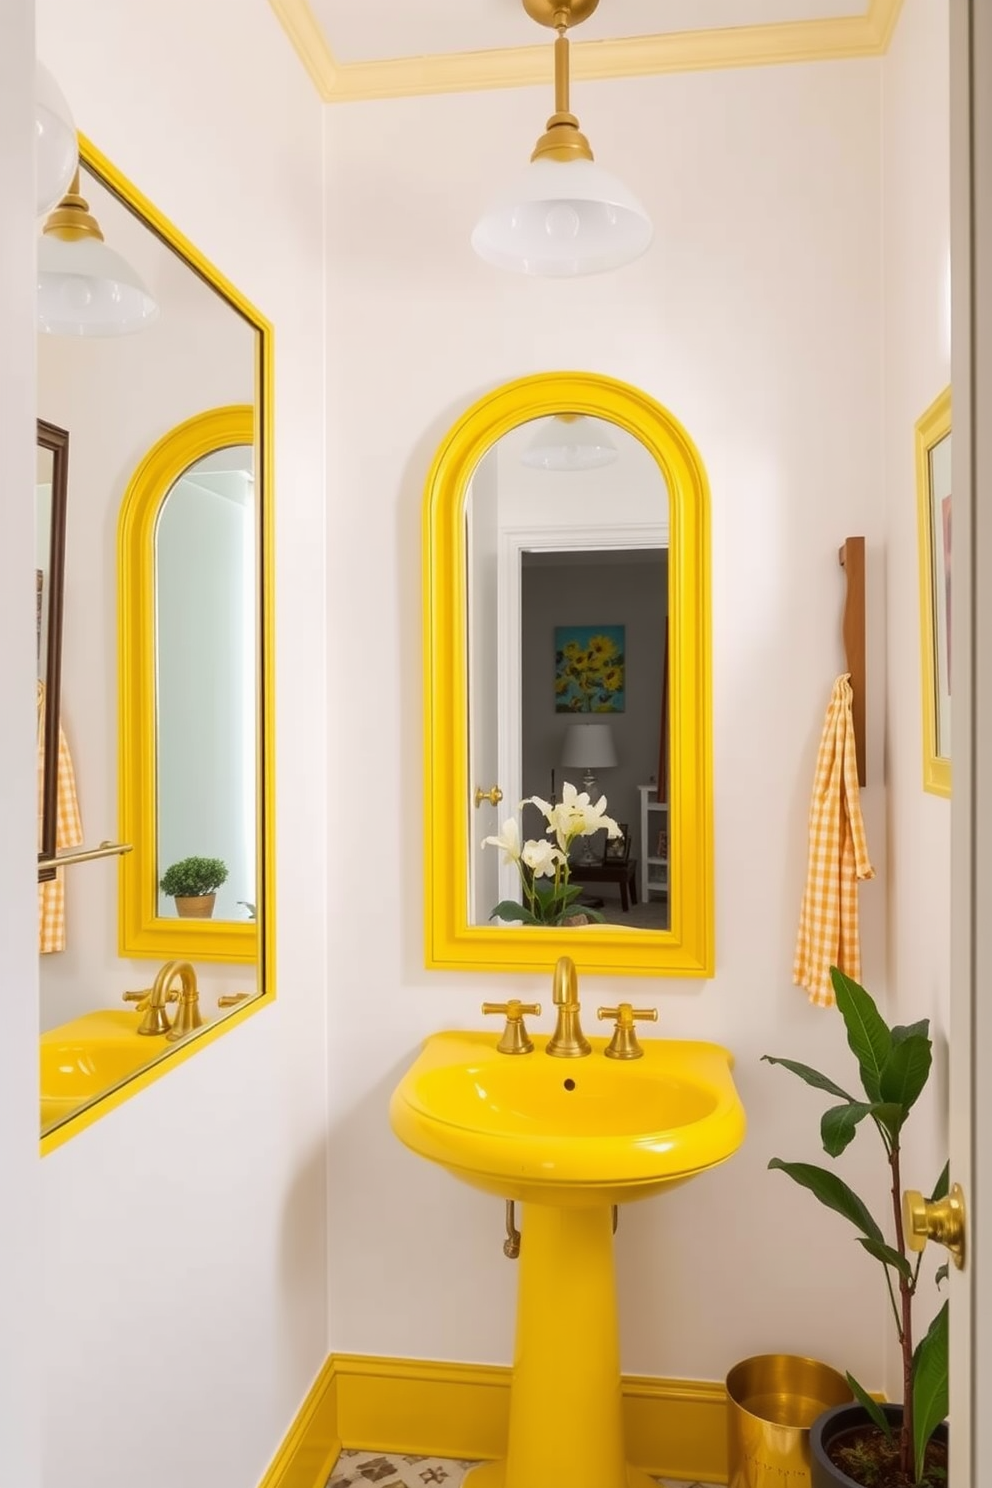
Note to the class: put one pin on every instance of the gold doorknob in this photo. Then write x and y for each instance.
(942, 1220)
(493, 796)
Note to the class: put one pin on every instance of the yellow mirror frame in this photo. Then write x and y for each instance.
(932, 427)
(451, 943)
(142, 931)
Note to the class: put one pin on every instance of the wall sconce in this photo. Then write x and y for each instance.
(570, 441)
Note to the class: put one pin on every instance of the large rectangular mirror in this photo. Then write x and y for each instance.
(166, 692)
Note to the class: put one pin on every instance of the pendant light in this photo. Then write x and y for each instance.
(565, 215)
(56, 148)
(570, 441)
(84, 287)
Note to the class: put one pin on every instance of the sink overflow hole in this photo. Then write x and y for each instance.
(569, 1084)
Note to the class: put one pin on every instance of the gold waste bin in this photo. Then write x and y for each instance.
(772, 1400)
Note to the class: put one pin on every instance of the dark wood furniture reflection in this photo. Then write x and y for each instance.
(615, 866)
(56, 441)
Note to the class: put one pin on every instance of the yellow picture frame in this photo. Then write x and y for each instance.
(933, 510)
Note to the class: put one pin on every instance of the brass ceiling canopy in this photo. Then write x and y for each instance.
(563, 140)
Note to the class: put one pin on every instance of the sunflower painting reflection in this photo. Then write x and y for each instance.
(589, 669)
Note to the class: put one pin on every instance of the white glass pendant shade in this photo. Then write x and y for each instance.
(86, 289)
(563, 218)
(56, 147)
(578, 444)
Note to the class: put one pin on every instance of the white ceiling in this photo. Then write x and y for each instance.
(357, 31)
(354, 49)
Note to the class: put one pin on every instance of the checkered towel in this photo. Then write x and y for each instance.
(68, 833)
(838, 857)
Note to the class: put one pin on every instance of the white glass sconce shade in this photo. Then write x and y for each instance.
(573, 444)
(56, 147)
(86, 289)
(563, 218)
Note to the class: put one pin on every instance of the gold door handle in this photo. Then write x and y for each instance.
(942, 1220)
(515, 1039)
(493, 796)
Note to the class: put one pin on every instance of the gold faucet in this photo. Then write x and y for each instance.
(568, 1041)
(188, 1017)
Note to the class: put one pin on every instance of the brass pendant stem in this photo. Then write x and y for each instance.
(561, 72)
(72, 218)
(562, 140)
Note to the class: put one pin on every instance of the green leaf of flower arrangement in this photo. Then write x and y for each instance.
(839, 1124)
(831, 1191)
(908, 1030)
(509, 909)
(867, 1032)
(906, 1071)
(873, 1408)
(887, 1255)
(942, 1272)
(930, 1388)
(811, 1076)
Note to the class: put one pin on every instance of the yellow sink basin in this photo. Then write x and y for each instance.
(90, 1056)
(569, 1131)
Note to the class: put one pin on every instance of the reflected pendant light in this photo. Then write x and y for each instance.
(84, 287)
(565, 215)
(56, 147)
(569, 441)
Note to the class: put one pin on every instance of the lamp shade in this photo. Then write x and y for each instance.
(589, 746)
(86, 289)
(56, 148)
(562, 218)
(577, 444)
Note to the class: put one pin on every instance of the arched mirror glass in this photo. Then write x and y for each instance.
(566, 572)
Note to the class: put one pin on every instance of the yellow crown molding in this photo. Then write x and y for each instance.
(833, 38)
(675, 1428)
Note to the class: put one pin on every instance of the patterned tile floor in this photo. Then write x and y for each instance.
(393, 1470)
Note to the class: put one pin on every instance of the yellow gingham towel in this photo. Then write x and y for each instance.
(838, 857)
(68, 833)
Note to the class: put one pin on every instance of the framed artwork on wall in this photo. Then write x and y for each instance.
(933, 497)
(590, 669)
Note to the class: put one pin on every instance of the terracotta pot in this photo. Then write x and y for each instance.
(834, 1423)
(195, 907)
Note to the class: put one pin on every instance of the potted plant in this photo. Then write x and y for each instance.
(869, 1445)
(193, 883)
(548, 896)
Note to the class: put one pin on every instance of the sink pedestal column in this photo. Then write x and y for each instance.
(566, 1426)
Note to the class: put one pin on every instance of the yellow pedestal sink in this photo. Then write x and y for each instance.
(87, 1058)
(568, 1138)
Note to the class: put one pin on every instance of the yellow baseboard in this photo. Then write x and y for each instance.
(675, 1428)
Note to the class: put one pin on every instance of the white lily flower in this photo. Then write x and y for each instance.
(508, 841)
(541, 858)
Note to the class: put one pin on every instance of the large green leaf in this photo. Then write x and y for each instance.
(839, 1124)
(867, 1033)
(887, 1255)
(941, 1187)
(908, 1030)
(906, 1071)
(811, 1076)
(832, 1192)
(873, 1408)
(930, 1386)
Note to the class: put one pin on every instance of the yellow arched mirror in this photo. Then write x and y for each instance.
(567, 647)
(189, 681)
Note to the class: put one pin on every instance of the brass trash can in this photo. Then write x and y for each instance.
(772, 1400)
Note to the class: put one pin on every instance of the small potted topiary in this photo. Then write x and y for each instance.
(193, 883)
(868, 1445)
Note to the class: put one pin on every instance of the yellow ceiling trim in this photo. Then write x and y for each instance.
(834, 38)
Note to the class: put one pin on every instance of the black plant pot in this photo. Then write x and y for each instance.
(833, 1423)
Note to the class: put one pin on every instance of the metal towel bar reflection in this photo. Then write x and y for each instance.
(85, 855)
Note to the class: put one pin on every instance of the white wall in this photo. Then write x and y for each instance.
(185, 1258)
(20, 1340)
(916, 229)
(757, 319)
